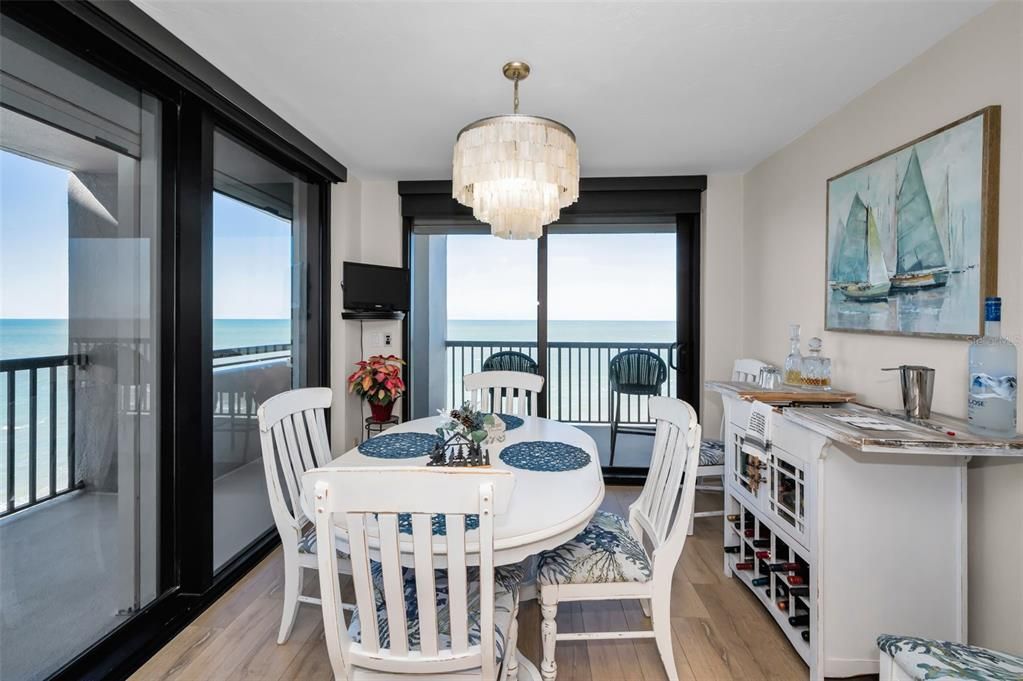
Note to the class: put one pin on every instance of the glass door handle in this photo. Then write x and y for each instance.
(676, 350)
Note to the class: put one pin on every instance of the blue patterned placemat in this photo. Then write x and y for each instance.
(399, 445)
(539, 455)
(510, 422)
(439, 522)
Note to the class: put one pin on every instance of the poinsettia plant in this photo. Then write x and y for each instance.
(378, 379)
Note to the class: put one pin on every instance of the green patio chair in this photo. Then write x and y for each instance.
(633, 372)
(510, 360)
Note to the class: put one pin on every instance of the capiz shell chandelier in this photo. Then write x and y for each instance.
(516, 172)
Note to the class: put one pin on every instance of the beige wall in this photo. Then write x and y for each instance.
(783, 252)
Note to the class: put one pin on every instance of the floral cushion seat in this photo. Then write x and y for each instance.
(925, 659)
(712, 453)
(605, 551)
(506, 599)
(307, 542)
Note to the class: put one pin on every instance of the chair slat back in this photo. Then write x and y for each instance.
(293, 438)
(747, 370)
(664, 506)
(503, 392)
(511, 360)
(369, 501)
(634, 370)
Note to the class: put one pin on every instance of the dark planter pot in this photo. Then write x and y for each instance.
(381, 412)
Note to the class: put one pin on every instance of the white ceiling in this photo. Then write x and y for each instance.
(648, 87)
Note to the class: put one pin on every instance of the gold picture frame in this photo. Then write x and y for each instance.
(911, 236)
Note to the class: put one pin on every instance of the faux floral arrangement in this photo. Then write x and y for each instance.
(470, 422)
(378, 381)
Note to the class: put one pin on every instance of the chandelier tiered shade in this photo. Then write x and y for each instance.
(516, 172)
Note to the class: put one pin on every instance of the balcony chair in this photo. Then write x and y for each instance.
(712, 452)
(608, 560)
(293, 436)
(503, 392)
(446, 623)
(633, 372)
(509, 360)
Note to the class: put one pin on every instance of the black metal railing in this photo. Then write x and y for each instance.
(577, 389)
(41, 391)
(22, 445)
(250, 354)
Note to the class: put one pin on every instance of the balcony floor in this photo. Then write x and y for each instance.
(58, 563)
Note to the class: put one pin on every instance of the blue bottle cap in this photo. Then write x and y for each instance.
(993, 309)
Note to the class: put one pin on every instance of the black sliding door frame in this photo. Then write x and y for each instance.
(631, 202)
(195, 98)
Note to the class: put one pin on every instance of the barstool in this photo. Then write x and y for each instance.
(633, 372)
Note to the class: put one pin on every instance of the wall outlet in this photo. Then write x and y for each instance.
(387, 339)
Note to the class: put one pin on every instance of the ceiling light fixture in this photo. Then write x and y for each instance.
(516, 172)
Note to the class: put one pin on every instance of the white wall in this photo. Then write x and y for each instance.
(721, 308)
(783, 253)
(366, 228)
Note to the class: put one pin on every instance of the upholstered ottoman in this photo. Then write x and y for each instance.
(908, 658)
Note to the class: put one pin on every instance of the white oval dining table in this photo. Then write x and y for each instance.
(546, 508)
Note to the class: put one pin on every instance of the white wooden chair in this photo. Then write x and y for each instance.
(712, 451)
(503, 392)
(440, 619)
(608, 560)
(293, 436)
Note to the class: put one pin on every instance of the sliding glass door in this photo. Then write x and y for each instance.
(80, 346)
(261, 225)
(570, 306)
(611, 296)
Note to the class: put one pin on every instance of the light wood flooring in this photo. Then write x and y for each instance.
(721, 631)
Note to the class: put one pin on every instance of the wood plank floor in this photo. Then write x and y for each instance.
(721, 631)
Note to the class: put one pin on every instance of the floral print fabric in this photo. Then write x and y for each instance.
(604, 552)
(506, 598)
(712, 453)
(925, 659)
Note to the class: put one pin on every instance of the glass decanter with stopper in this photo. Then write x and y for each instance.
(816, 368)
(794, 362)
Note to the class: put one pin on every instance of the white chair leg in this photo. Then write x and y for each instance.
(645, 604)
(548, 632)
(511, 651)
(662, 634)
(692, 520)
(293, 574)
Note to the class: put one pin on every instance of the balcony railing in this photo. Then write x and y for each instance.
(44, 444)
(578, 389)
(56, 374)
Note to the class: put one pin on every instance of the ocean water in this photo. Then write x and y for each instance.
(563, 330)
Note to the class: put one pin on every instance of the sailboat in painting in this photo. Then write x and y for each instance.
(858, 270)
(920, 261)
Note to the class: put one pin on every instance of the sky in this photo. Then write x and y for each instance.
(251, 249)
(590, 277)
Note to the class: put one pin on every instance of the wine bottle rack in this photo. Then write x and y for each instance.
(776, 595)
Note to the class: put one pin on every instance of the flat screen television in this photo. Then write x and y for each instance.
(374, 287)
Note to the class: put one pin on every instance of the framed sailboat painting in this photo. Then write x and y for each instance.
(912, 235)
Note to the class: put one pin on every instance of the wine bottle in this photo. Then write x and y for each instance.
(796, 580)
(784, 567)
(733, 549)
(763, 555)
(761, 581)
(800, 620)
(783, 605)
(800, 591)
(750, 532)
(805, 634)
(761, 543)
(745, 565)
(991, 404)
